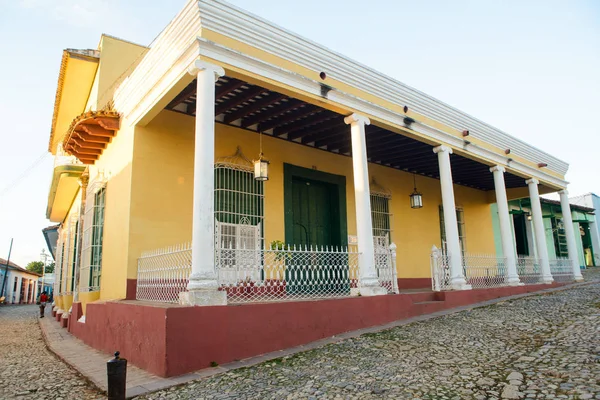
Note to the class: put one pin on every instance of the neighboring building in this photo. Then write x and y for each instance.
(51, 237)
(21, 285)
(591, 200)
(584, 225)
(158, 200)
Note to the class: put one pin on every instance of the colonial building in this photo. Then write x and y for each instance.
(20, 285)
(235, 163)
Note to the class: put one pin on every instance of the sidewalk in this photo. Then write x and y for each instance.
(92, 363)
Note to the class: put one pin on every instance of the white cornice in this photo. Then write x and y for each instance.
(178, 46)
(261, 68)
(226, 19)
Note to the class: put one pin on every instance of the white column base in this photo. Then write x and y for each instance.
(514, 281)
(203, 297)
(547, 279)
(579, 278)
(372, 291)
(65, 315)
(459, 283)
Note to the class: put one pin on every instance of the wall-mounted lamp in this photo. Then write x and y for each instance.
(529, 218)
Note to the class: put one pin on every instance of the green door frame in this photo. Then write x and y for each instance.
(289, 172)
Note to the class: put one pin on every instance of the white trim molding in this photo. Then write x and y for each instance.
(179, 45)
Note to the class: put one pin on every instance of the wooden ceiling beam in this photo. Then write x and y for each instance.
(295, 131)
(250, 108)
(238, 99)
(334, 135)
(272, 112)
(85, 150)
(318, 132)
(229, 87)
(184, 95)
(289, 117)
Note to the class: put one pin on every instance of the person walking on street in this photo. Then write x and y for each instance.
(43, 301)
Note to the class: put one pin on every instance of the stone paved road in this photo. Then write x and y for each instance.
(27, 369)
(545, 346)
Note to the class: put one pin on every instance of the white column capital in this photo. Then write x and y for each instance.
(532, 181)
(563, 192)
(355, 118)
(498, 168)
(200, 65)
(441, 149)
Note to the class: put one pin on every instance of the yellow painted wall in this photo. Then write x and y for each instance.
(87, 297)
(115, 164)
(117, 59)
(162, 181)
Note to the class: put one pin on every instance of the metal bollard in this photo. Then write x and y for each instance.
(116, 370)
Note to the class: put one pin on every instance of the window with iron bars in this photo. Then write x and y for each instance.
(381, 218)
(460, 221)
(75, 235)
(93, 237)
(239, 214)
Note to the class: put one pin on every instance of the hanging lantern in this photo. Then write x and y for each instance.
(416, 198)
(261, 169)
(261, 166)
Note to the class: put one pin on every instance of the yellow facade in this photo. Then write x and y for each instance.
(148, 169)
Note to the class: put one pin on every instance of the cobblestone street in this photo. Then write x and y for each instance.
(28, 370)
(544, 346)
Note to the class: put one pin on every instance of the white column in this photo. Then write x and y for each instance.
(369, 283)
(203, 285)
(457, 278)
(570, 233)
(595, 241)
(506, 230)
(538, 227)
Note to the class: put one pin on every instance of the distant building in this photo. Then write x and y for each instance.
(20, 286)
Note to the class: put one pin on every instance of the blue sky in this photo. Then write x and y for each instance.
(531, 68)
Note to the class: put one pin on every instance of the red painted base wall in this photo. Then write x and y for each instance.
(174, 340)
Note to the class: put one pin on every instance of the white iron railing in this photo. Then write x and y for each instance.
(164, 273)
(286, 273)
(562, 270)
(529, 270)
(484, 270)
(273, 274)
(440, 270)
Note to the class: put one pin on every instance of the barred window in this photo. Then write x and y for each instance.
(460, 221)
(381, 218)
(239, 215)
(93, 236)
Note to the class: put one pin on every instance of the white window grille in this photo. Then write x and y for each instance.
(239, 215)
(68, 257)
(381, 216)
(93, 235)
(60, 249)
(460, 222)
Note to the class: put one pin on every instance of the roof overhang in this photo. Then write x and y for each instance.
(75, 80)
(51, 237)
(90, 133)
(63, 189)
(249, 47)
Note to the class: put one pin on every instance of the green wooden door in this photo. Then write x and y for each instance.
(315, 217)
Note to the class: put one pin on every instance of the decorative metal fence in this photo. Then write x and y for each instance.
(440, 270)
(164, 273)
(529, 270)
(484, 270)
(273, 274)
(562, 270)
(286, 273)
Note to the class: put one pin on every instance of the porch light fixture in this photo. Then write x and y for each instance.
(529, 218)
(416, 198)
(261, 166)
